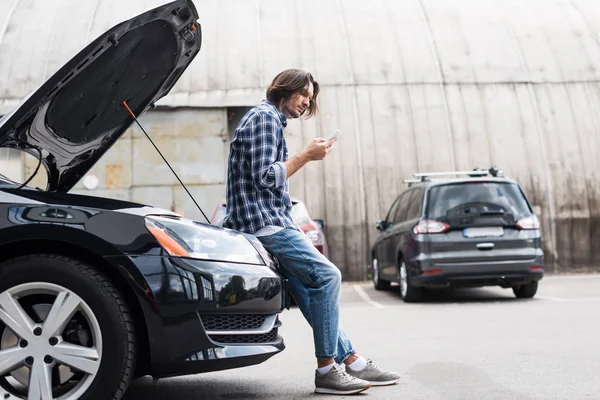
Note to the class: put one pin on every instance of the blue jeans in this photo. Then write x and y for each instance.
(315, 284)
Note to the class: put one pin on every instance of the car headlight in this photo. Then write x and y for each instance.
(266, 256)
(185, 238)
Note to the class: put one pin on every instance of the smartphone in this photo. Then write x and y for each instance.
(335, 135)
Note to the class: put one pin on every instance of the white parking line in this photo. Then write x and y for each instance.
(363, 295)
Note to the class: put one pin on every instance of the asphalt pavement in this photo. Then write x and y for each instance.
(459, 345)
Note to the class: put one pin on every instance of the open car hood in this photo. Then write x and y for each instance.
(78, 114)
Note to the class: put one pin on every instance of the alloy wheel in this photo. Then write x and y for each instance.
(50, 343)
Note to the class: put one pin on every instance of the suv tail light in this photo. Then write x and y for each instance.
(430, 226)
(529, 223)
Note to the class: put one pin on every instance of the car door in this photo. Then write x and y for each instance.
(389, 268)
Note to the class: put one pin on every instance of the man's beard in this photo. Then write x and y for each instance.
(291, 111)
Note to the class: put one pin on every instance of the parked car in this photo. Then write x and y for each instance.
(95, 291)
(453, 231)
(313, 228)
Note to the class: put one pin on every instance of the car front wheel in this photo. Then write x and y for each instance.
(65, 331)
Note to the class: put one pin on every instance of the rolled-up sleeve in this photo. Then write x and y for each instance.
(266, 171)
(280, 174)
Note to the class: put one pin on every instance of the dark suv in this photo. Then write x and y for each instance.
(476, 230)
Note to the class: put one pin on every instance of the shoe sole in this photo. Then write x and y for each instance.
(333, 391)
(386, 383)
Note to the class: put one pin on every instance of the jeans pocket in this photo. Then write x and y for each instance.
(306, 274)
(310, 276)
(296, 256)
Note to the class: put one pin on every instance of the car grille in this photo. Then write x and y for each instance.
(268, 337)
(232, 322)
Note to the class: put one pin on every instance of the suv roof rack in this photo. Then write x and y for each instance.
(475, 173)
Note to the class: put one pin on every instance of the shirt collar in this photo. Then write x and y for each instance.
(282, 117)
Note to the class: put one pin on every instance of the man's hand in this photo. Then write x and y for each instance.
(318, 149)
(330, 143)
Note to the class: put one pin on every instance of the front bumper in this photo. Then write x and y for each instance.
(197, 314)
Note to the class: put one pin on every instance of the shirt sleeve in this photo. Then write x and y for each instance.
(280, 174)
(266, 171)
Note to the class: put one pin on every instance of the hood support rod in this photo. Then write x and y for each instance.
(163, 157)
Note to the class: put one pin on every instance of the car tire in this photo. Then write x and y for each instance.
(526, 291)
(380, 284)
(92, 312)
(408, 293)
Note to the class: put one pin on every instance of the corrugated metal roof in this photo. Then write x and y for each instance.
(344, 43)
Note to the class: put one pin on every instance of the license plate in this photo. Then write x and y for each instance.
(483, 231)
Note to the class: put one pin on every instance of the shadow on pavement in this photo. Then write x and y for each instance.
(463, 295)
(206, 387)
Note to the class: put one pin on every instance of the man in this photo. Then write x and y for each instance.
(258, 203)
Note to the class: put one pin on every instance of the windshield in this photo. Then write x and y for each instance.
(461, 204)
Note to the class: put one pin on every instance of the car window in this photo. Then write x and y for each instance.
(414, 209)
(400, 215)
(455, 201)
(300, 214)
(390, 215)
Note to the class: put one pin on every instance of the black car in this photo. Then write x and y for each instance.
(476, 230)
(95, 291)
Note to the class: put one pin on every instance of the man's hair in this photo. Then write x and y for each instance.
(292, 81)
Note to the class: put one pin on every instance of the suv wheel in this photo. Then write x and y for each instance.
(526, 291)
(65, 331)
(379, 283)
(408, 293)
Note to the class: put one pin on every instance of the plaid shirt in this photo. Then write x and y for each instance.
(257, 186)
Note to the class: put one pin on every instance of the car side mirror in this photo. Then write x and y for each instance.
(380, 225)
(320, 222)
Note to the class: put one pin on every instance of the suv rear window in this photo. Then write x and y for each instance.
(461, 203)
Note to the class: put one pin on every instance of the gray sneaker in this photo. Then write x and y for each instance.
(374, 375)
(337, 381)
